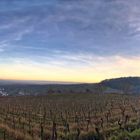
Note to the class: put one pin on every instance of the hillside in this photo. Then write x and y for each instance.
(127, 85)
(124, 84)
(43, 89)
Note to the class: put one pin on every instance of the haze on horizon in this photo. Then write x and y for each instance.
(69, 40)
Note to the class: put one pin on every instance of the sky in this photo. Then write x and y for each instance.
(69, 40)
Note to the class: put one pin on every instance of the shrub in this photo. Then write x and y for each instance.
(123, 136)
(135, 135)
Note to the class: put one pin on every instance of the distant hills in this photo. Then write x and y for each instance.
(123, 85)
(31, 82)
(118, 82)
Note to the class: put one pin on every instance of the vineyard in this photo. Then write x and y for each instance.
(70, 117)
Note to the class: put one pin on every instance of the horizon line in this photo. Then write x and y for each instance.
(61, 82)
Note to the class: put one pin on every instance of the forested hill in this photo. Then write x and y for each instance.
(130, 84)
(117, 83)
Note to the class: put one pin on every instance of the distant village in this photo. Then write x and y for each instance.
(3, 92)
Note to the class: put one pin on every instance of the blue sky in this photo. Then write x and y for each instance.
(69, 40)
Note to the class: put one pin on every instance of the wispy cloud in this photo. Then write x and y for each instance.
(86, 24)
(70, 35)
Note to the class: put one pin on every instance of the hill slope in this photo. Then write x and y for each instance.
(124, 84)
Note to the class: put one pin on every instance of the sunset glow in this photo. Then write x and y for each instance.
(74, 41)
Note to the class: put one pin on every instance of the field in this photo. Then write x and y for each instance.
(70, 117)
